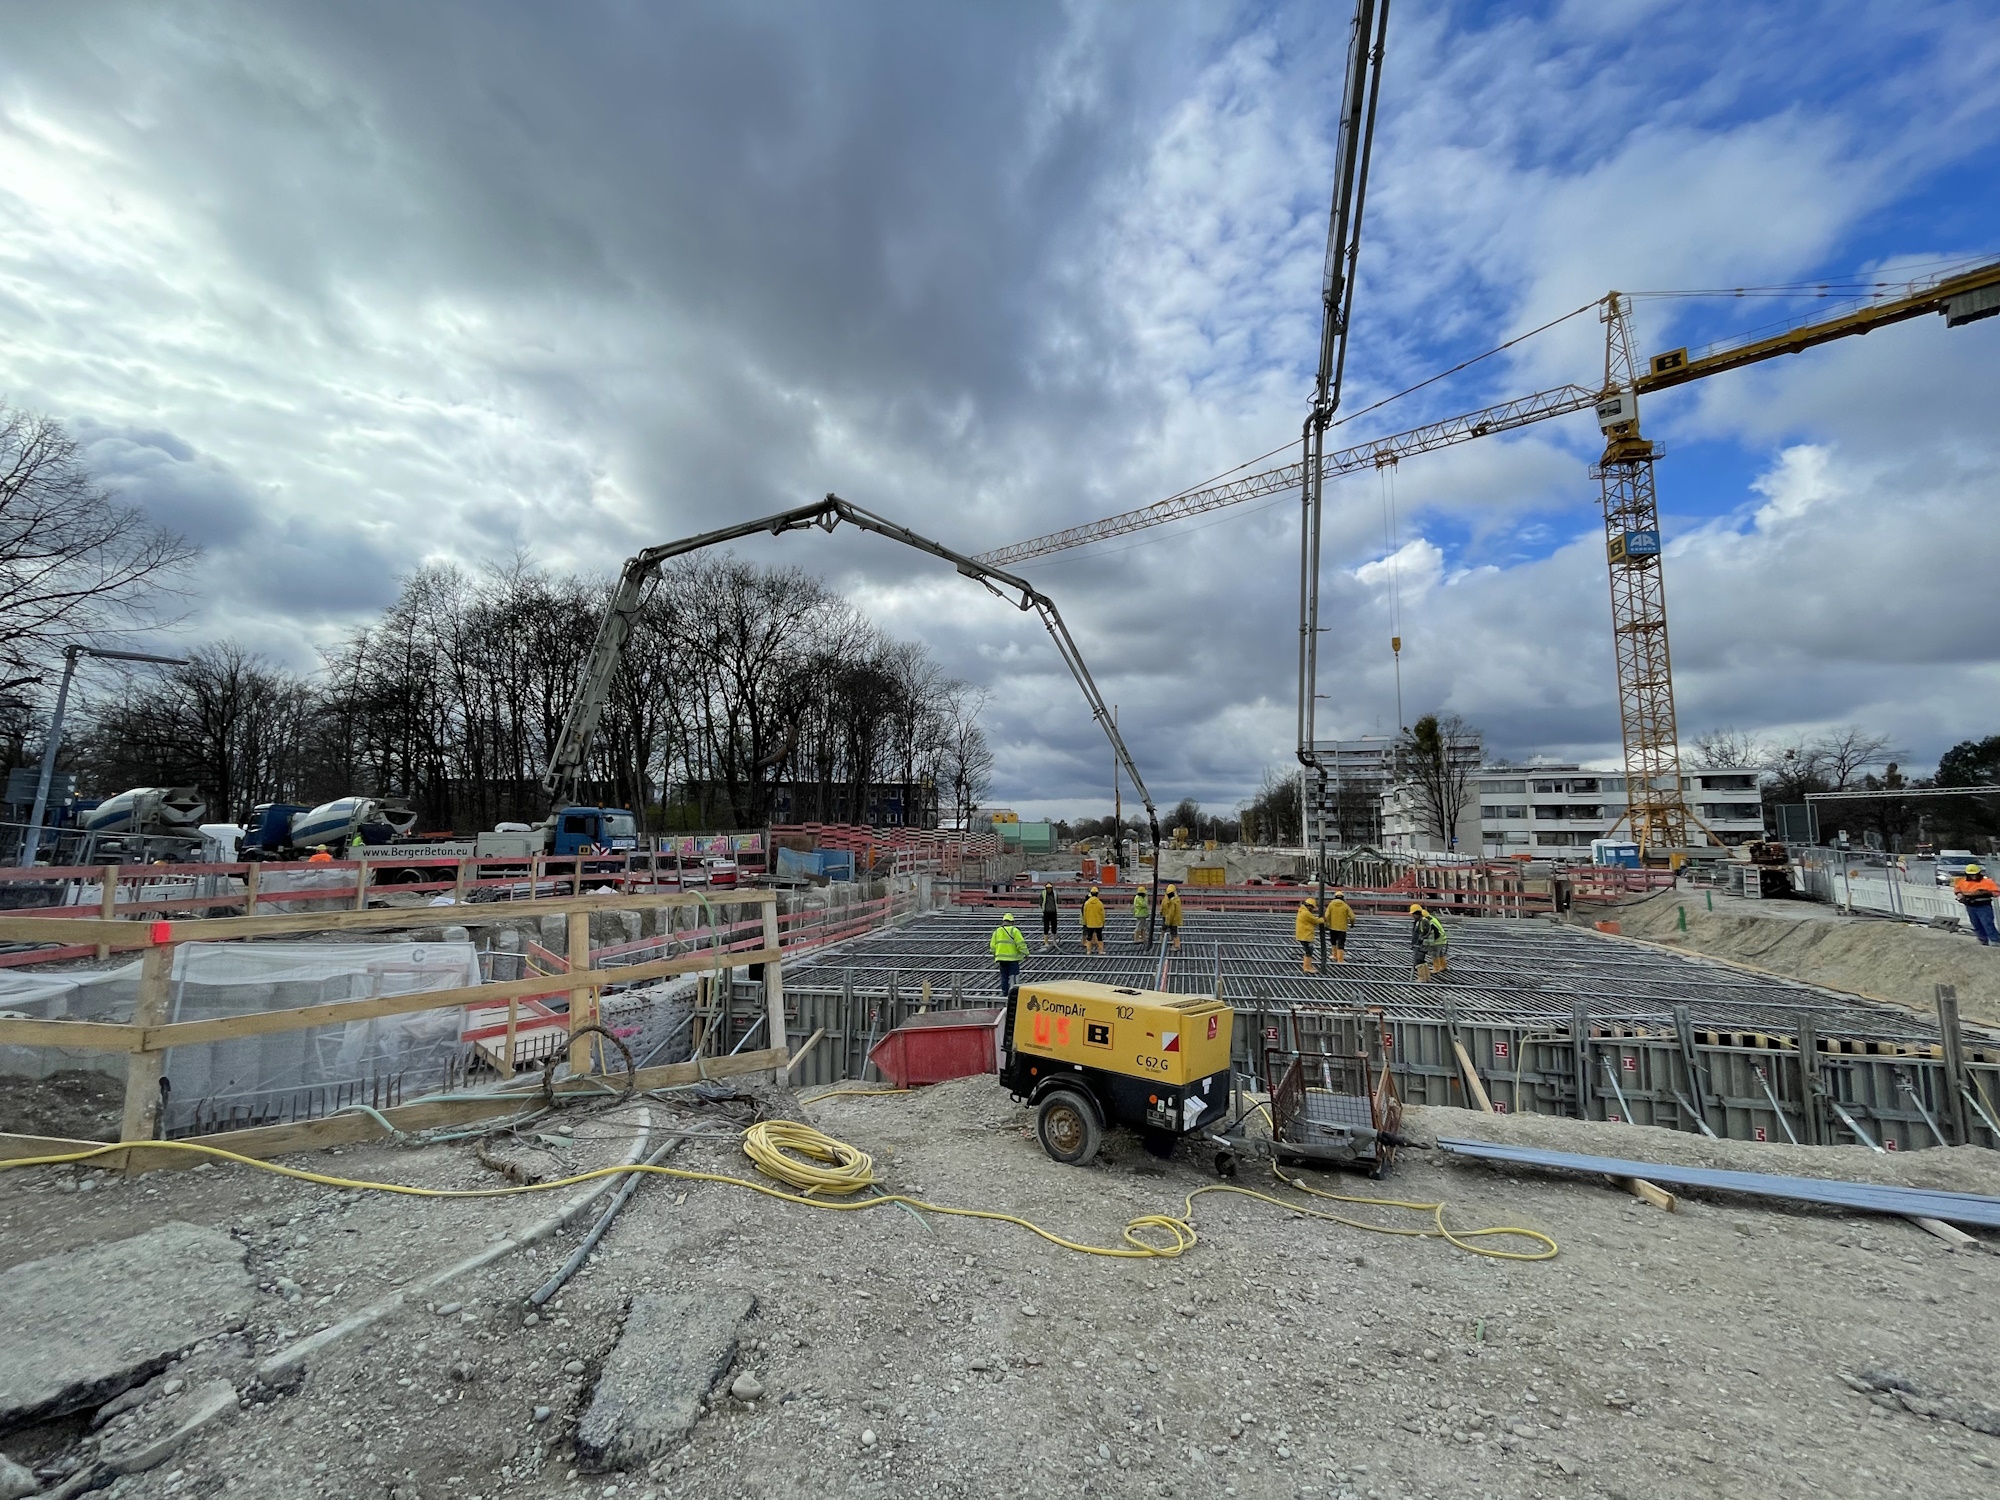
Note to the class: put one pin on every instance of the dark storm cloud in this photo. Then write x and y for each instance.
(341, 290)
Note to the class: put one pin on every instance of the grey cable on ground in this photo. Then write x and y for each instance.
(630, 1186)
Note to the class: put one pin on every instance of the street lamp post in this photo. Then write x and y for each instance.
(31, 843)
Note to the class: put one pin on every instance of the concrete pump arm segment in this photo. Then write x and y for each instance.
(601, 668)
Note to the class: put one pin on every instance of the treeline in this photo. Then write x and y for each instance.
(735, 677)
(1854, 759)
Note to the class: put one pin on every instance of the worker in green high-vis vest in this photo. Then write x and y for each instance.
(1010, 946)
(1142, 927)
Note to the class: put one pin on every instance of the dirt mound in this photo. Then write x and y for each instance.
(77, 1106)
(1883, 960)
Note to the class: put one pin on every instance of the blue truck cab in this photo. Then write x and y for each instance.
(593, 830)
(269, 832)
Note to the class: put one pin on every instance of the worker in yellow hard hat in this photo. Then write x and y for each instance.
(1338, 920)
(1093, 922)
(320, 856)
(1142, 914)
(1306, 923)
(1427, 941)
(1009, 949)
(1975, 891)
(1170, 914)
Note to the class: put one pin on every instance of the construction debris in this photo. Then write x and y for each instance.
(673, 1349)
(83, 1327)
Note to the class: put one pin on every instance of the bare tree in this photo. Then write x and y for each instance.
(74, 564)
(968, 759)
(1727, 747)
(1847, 751)
(1276, 815)
(1433, 758)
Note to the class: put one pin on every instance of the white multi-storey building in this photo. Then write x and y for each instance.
(1359, 790)
(1553, 812)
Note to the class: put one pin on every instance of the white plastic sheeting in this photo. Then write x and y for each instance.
(213, 980)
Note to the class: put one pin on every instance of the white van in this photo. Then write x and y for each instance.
(1951, 864)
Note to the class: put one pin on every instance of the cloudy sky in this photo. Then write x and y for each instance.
(340, 290)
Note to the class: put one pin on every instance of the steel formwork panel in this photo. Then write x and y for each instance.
(1511, 997)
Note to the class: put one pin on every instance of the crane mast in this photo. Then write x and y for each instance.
(1658, 812)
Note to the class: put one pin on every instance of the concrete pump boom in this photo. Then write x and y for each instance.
(601, 669)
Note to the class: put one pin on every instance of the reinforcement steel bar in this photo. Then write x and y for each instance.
(1865, 1197)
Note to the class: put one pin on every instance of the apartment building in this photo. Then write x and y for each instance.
(1553, 812)
(1352, 810)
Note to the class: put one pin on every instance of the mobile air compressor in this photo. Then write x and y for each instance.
(1086, 1056)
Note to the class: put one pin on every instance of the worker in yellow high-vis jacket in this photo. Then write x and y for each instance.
(1170, 915)
(1093, 922)
(1338, 921)
(1305, 927)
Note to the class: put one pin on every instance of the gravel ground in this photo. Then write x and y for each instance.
(1714, 1351)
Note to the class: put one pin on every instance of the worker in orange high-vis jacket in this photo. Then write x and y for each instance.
(1975, 891)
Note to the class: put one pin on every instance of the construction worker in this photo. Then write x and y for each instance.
(1339, 919)
(1050, 915)
(1427, 940)
(1093, 922)
(355, 845)
(1142, 911)
(1170, 913)
(1009, 948)
(1975, 891)
(320, 856)
(1305, 927)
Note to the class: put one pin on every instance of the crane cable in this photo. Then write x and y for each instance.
(803, 1157)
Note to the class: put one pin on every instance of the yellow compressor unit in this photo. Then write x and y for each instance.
(1086, 1056)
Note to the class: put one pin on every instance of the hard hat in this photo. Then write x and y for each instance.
(1171, 889)
(1415, 907)
(1972, 869)
(1312, 901)
(1093, 890)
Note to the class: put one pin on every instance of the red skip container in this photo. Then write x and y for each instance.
(944, 1044)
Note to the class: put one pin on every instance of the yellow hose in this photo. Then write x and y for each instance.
(838, 1170)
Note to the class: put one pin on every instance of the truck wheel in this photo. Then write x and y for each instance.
(1066, 1125)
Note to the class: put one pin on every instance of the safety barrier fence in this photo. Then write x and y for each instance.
(152, 1033)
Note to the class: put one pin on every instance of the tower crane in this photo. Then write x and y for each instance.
(1656, 807)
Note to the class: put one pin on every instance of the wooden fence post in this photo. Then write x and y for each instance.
(250, 888)
(1954, 1065)
(107, 906)
(459, 886)
(142, 1069)
(583, 1002)
(774, 987)
(361, 885)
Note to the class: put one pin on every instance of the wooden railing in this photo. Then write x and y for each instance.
(148, 1036)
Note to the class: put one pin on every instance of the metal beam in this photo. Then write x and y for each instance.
(1864, 1197)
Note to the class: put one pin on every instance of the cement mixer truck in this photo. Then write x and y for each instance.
(144, 823)
(284, 830)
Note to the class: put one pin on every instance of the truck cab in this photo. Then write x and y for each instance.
(593, 830)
